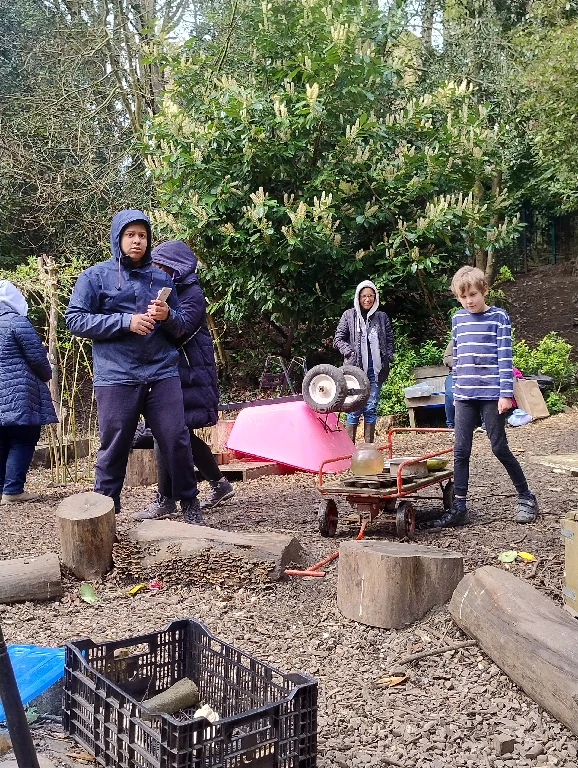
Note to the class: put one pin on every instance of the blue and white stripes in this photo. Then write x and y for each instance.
(482, 367)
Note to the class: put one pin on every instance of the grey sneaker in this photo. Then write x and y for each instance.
(159, 508)
(221, 490)
(192, 512)
(17, 498)
(527, 509)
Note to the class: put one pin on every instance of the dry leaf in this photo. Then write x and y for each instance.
(86, 756)
(526, 556)
(390, 680)
(508, 557)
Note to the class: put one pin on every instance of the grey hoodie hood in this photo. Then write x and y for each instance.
(11, 300)
(360, 287)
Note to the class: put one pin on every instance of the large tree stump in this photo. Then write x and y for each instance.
(30, 578)
(87, 530)
(390, 585)
(141, 468)
(534, 641)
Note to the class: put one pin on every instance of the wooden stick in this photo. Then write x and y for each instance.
(437, 651)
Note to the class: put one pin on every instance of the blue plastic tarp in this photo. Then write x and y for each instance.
(36, 669)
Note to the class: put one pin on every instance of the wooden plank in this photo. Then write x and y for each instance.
(533, 640)
(563, 462)
(425, 371)
(419, 402)
(569, 531)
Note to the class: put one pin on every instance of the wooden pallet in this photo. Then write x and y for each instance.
(408, 487)
(249, 470)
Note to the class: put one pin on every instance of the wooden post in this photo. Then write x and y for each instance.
(533, 640)
(141, 468)
(30, 578)
(390, 585)
(87, 531)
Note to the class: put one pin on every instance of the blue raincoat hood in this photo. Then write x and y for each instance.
(177, 256)
(119, 221)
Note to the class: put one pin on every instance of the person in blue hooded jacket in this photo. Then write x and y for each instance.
(198, 380)
(115, 303)
(25, 402)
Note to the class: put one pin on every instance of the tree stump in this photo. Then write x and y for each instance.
(533, 640)
(141, 468)
(87, 530)
(389, 585)
(30, 578)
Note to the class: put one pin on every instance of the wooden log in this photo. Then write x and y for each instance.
(30, 578)
(141, 468)
(389, 585)
(184, 694)
(87, 531)
(534, 641)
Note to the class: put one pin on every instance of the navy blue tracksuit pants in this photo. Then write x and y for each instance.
(161, 403)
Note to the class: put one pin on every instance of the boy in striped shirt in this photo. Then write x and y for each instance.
(483, 387)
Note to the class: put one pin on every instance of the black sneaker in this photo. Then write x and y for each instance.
(527, 509)
(450, 519)
(159, 508)
(221, 490)
(192, 512)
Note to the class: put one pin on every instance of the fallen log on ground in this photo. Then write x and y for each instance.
(534, 641)
(30, 578)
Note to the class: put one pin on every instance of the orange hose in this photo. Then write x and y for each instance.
(313, 571)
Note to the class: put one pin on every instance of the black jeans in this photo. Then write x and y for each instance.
(17, 444)
(469, 414)
(203, 458)
(119, 407)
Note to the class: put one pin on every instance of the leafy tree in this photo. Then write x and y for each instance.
(307, 163)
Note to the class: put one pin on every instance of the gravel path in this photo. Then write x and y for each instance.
(452, 706)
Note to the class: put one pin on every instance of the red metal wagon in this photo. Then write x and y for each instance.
(387, 495)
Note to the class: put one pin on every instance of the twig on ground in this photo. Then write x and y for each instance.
(437, 651)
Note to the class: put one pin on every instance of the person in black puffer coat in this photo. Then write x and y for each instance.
(25, 402)
(198, 380)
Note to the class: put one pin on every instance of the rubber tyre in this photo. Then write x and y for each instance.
(324, 389)
(355, 379)
(448, 494)
(405, 520)
(327, 518)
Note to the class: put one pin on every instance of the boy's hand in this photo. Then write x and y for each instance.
(504, 404)
(141, 324)
(158, 310)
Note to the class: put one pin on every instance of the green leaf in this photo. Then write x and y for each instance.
(508, 557)
(88, 593)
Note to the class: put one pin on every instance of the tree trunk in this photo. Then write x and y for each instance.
(480, 256)
(386, 584)
(30, 578)
(527, 635)
(492, 261)
(427, 20)
(141, 468)
(87, 532)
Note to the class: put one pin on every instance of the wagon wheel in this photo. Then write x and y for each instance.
(405, 520)
(359, 387)
(324, 388)
(327, 518)
(448, 494)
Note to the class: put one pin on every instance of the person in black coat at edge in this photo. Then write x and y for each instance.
(198, 380)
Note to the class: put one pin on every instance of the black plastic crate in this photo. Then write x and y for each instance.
(268, 717)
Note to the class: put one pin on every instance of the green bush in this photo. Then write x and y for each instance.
(407, 357)
(555, 403)
(551, 357)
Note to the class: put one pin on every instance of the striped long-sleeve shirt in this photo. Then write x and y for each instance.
(482, 368)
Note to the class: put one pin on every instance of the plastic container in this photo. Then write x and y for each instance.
(268, 718)
(418, 390)
(367, 460)
(35, 669)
